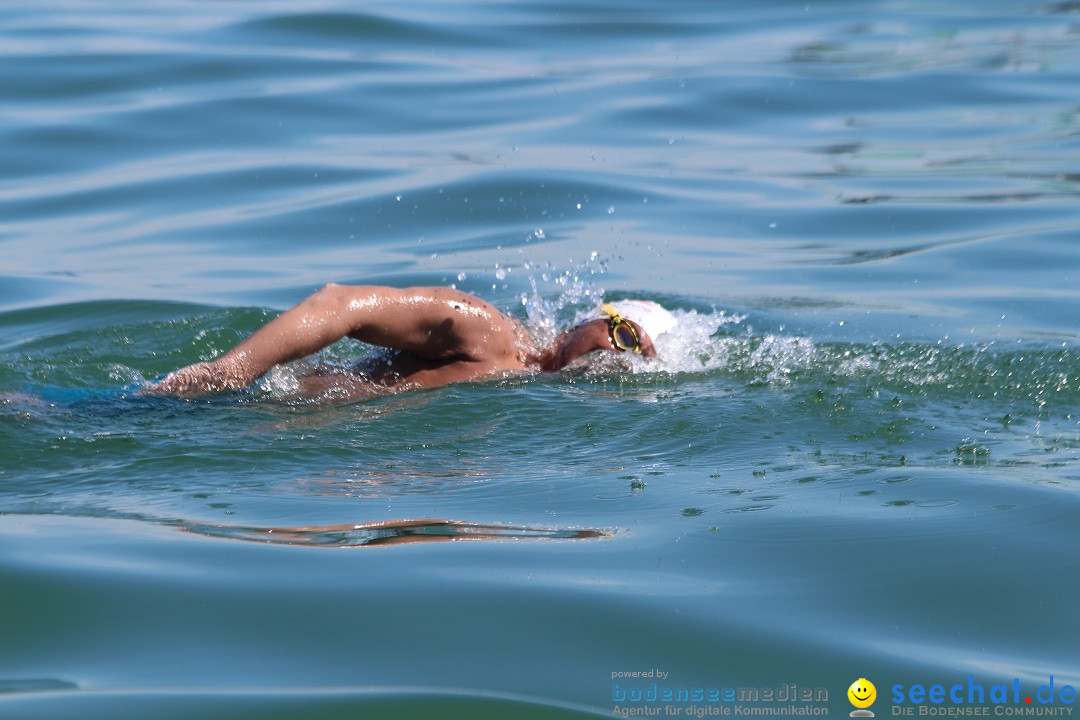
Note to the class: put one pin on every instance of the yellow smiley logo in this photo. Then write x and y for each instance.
(862, 693)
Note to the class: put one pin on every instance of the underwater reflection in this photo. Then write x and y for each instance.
(389, 532)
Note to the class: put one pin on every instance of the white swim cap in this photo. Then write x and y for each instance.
(653, 318)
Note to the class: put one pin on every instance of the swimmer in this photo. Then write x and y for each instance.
(440, 336)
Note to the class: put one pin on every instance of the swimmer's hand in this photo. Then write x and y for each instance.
(201, 378)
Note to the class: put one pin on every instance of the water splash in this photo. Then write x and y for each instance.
(549, 313)
(561, 299)
(694, 344)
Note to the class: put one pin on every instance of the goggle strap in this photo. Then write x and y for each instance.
(611, 312)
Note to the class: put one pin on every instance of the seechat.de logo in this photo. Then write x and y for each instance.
(862, 695)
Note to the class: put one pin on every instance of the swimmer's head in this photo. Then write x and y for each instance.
(633, 325)
(623, 326)
(651, 317)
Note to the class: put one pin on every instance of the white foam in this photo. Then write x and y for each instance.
(691, 345)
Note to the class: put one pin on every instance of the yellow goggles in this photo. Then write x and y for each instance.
(624, 337)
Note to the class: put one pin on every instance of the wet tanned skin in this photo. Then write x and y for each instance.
(442, 336)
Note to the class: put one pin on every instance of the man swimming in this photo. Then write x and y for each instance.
(440, 336)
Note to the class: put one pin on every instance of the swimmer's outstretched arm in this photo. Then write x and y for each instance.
(432, 323)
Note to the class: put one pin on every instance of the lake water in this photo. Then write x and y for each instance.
(858, 455)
